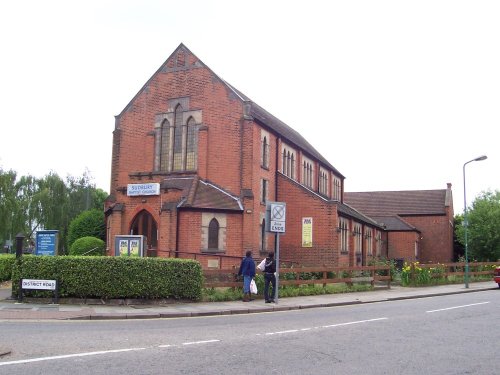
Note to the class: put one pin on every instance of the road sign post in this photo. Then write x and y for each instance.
(277, 220)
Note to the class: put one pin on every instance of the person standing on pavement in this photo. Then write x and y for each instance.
(269, 277)
(247, 270)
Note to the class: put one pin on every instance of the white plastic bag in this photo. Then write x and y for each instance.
(253, 287)
(262, 265)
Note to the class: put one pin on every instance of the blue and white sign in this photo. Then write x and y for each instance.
(134, 190)
(46, 242)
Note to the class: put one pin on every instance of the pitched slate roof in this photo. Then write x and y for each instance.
(279, 127)
(346, 210)
(197, 193)
(394, 223)
(402, 203)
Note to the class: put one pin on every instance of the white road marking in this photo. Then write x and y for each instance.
(169, 345)
(69, 356)
(281, 332)
(328, 326)
(458, 307)
(357, 322)
(199, 342)
(21, 361)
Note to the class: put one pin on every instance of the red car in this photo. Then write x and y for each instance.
(496, 276)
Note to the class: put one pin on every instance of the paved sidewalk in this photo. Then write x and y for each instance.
(12, 310)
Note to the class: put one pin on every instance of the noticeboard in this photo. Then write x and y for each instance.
(46, 242)
(130, 245)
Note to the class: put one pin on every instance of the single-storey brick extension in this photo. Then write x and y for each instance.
(195, 162)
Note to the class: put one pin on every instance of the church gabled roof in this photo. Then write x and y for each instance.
(257, 112)
(199, 194)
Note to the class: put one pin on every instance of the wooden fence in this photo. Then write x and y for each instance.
(448, 270)
(217, 278)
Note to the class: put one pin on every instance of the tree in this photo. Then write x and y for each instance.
(8, 204)
(29, 204)
(87, 224)
(28, 211)
(483, 234)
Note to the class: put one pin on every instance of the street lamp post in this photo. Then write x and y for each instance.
(466, 276)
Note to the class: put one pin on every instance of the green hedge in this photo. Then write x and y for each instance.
(112, 277)
(6, 264)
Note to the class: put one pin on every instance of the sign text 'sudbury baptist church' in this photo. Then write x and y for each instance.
(143, 189)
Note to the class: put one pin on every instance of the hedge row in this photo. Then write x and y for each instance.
(6, 263)
(112, 277)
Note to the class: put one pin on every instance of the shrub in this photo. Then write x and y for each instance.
(88, 246)
(6, 264)
(112, 277)
(88, 224)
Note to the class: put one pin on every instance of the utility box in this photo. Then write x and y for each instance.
(130, 245)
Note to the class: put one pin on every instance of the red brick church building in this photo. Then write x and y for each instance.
(195, 162)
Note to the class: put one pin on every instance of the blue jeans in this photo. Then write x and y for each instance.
(246, 284)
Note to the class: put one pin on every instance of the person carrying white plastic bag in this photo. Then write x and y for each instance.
(247, 270)
(253, 287)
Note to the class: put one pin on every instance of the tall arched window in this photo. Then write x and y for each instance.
(344, 235)
(265, 153)
(191, 145)
(284, 163)
(308, 174)
(288, 164)
(292, 169)
(178, 130)
(213, 234)
(165, 146)
(178, 143)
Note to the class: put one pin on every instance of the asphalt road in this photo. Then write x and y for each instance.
(456, 334)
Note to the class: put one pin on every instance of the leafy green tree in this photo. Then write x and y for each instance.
(83, 195)
(52, 198)
(10, 222)
(28, 214)
(483, 234)
(28, 204)
(87, 224)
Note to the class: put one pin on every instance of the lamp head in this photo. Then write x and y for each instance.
(483, 157)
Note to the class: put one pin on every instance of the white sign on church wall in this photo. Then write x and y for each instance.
(134, 190)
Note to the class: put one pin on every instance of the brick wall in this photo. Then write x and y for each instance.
(402, 245)
(437, 237)
(302, 203)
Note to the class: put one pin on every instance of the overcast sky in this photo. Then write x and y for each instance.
(397, 95)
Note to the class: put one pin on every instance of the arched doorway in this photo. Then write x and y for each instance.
(144, 224)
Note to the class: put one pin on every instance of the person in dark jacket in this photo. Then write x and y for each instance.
(247, 270)
(269, 277)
